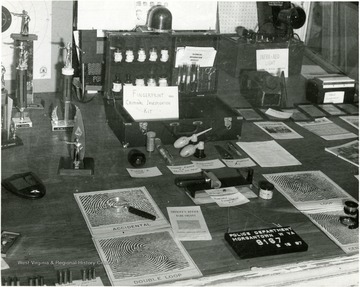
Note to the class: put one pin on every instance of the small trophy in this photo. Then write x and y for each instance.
(28, 41)
(21, 119)
(77, 163)
(67, 72)
(8, 131)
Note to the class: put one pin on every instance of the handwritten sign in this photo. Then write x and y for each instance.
(184, 169)
(228, 196)
(273, 61)
(151, 103)
(144, 172)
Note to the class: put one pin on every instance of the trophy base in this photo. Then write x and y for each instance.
(66, 167)
(62, 125)
(22, 123)
(13, 142)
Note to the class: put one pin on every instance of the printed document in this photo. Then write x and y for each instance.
(268, 153)
(188, 223)
(326, 129)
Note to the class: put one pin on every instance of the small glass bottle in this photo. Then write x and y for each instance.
(141, 55)
(140, 81)
(151, 82)
(117, 86)
(164, 55)
(118, 56)
(153, 55)
(128, 81)
(164, 152)
(129, 55)
(163, 81)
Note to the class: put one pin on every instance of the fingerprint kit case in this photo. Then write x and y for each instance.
(330, 89)
(200, 107)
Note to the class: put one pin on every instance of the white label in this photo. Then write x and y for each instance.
(265, 194)
(334, 97)
(151, 103)
(273, 61)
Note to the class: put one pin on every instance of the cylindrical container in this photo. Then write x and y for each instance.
(128, 81)
(163, 151)
(141, 55)
(140, 81)
(164, 55)
(136, 158)
(266, 189)
(118, 56)
(163, 82)
(350, 207)
(67, 93)
(150, 141)
(117, 86)
(129, 55)
(153, 55)
(21, 90)
(151, 82)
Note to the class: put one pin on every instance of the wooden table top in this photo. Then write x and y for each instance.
(54, 234)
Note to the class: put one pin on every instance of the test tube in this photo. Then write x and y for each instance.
(163, 151)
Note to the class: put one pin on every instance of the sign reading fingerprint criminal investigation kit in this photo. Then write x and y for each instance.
(151, 103)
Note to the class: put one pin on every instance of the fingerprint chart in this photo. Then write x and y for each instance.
(138, 255)
(306, 186)
(101, 213)
(329, 223)
(145, 257)
(106, 211)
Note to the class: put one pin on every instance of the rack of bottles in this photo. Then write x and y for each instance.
(148, 59)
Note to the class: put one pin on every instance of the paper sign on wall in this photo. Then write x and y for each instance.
(151, 103)
(273, 61)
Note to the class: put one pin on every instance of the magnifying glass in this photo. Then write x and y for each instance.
(120, 205)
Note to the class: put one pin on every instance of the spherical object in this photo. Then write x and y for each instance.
(159, 19)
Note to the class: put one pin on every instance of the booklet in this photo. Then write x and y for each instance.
(188, 223)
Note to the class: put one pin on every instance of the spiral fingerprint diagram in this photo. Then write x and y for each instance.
(99, 208)
(94, 203)
(306, 186)
(143, 254)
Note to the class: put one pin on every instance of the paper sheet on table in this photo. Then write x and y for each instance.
(184, 169)
(188, 223)
(4, 265)
(239, 162)
(202, 56)
(209, 164)
(278, 114)
(228, 196)
(144, 172)
(268, 153)
(278, 130)
(203, 198)
(326, 129)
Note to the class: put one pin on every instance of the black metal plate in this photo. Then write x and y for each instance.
(265, 242)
